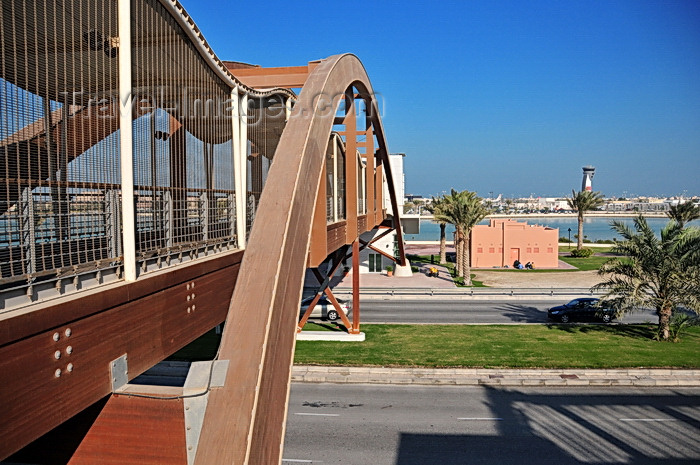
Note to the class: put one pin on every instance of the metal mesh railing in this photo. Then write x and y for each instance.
(35, 237)
(341, 181)
(183, 150)
(266, 120)
(330, 179)
(60, 155)
(59, 161)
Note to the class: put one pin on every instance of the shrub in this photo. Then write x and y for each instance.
(679, 322)
(583, 253)
(564, 239)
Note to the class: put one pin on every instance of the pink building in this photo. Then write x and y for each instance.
(503, 241)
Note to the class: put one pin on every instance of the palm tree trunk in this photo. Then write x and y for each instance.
(459, 254)
(664, 323)
(443, 257)
(465, 258)
(579, 246)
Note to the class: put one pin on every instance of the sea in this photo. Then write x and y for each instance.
(594, 228)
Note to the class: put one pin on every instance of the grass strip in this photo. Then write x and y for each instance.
(492, 346)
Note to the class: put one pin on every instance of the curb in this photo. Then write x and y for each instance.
(464, 294)
(458, 297)
(494, 377)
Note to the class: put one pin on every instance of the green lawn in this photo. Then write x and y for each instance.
(507, 346)
(496, 346)
(566, 248)
(585, 264)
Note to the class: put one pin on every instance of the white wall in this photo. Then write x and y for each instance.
(396, 161)
(385, 244)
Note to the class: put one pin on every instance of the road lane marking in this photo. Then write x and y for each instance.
(318, 414)
(648, 419)
(479, 419)
(301, 461)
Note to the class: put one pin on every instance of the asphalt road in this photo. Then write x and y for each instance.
(461, 311)
(450, 425)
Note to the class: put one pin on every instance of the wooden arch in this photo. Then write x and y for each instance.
(245, 419)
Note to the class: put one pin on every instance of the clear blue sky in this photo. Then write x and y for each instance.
(508, 97)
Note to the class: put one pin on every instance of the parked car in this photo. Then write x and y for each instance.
(324, 309)
(582, 309)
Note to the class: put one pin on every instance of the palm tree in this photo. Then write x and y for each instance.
(509, 205)
(436, 204)
(582, 202)
(464, 210)
(661, 273)
(684, 212)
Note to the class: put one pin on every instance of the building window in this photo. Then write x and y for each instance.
(528, 250)
(537, 250)
(479, 250)
(375, 263)
(550, 250)
(491, 250)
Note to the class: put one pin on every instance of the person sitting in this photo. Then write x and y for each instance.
(528, 265)
(521, 266)
(516, 264)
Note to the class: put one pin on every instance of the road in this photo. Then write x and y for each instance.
(450, 425)
(438, 310)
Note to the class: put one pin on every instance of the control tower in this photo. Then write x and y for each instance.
(588, 172)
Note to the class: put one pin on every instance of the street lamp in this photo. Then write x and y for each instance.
(569, 238)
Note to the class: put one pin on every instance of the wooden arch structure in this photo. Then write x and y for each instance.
(248, 413)
(82, 330)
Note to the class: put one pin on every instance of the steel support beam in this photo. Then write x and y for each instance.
(355, 287)
(258, 77)
(324, 288)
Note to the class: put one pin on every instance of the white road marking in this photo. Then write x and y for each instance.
(480, 419)
(319, 414)
(648, 419)
(300, 461)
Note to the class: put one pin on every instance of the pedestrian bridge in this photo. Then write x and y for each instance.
(149, 192)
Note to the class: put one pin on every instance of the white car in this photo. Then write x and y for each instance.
(324, 309)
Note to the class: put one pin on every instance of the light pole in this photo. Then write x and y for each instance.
(569, 238)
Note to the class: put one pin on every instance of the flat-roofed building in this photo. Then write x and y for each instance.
(503, 241)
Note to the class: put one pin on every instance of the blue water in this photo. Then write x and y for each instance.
(593, 228)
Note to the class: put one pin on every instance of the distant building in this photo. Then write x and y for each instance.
(503, 241)
(640, 204)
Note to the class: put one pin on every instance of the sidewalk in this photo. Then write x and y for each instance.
(496, 377)
(169, 373)
(419, 280)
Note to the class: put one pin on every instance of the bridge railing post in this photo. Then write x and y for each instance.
(204, 214)
(28, 230)
(113, 222)
(126, 140)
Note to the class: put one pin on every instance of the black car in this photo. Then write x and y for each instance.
(583, 309)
